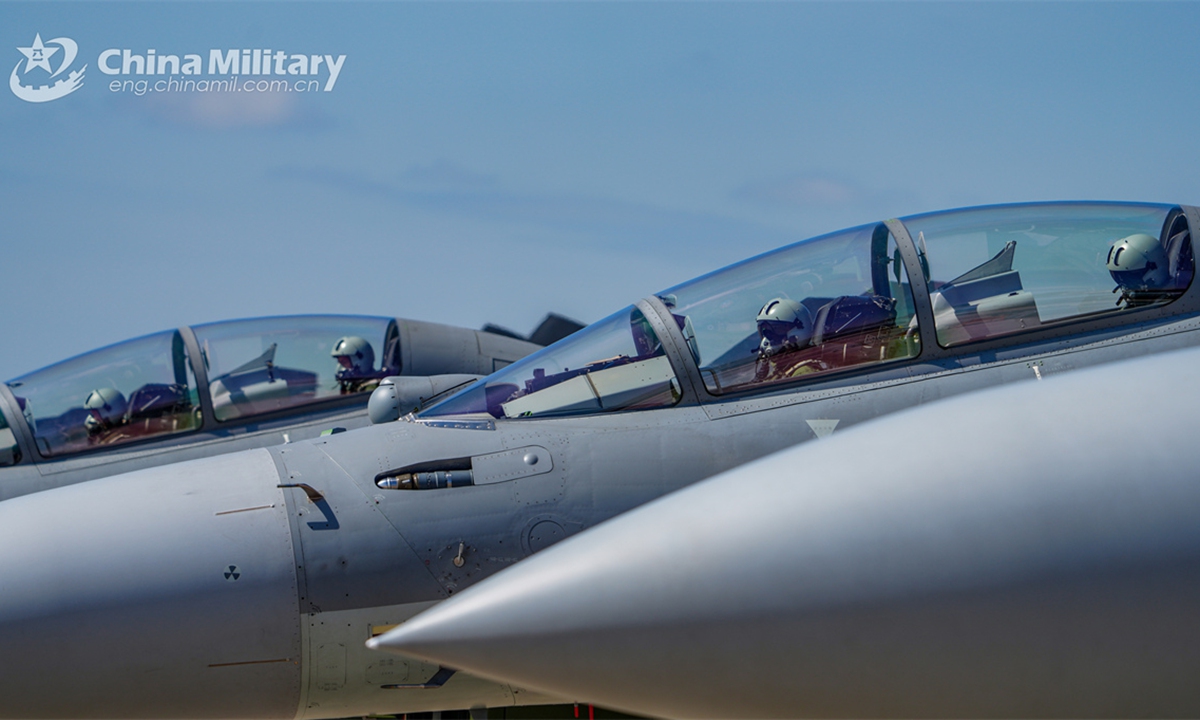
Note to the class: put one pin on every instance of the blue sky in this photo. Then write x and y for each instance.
(489, 162)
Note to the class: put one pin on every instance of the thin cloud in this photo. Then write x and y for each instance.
(444, 188)
(445, 174)
(851, 202)
(798, 191)
(233, 111)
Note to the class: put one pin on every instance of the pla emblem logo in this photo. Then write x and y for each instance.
(38, 57)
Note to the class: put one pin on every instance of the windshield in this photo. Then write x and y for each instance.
(268, 364)
(828, 303)
(124, 392)
(615, 364)
(836, 301)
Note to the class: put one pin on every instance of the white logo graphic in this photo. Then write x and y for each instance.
(38, 57)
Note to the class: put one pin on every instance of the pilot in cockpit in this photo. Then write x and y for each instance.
(356, 360)
(1140, 267)
(784, 328)
(106, 411)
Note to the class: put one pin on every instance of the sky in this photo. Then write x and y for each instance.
(492, 162)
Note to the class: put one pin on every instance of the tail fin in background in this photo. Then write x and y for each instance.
(553, 328)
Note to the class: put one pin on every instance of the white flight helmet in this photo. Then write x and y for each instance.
(1138, 262)
(355, 356)
(783, 324)
(106, 409)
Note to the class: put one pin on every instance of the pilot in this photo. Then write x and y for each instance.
(356, 360)
(106, 411)
(1139, 266)
(785, 327)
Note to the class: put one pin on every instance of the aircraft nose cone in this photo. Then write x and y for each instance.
(1022, 552)
(164, 592)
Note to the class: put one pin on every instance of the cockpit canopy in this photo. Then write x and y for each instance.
(1000, 270)
(148, 386)
(846, 300)
(263, 365)
(617, 363)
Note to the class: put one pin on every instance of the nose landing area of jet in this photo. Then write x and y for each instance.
(165, 592)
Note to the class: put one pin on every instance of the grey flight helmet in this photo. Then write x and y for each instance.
(1138, 263)
(355, 356)
(106, 409)
(784, 324)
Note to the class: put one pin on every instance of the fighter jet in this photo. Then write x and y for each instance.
(233, 385)
(1027, 551)
(246, 585)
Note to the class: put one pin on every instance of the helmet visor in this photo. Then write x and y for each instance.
(774, 331)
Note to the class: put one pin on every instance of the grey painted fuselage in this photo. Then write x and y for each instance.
(1014, 553)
